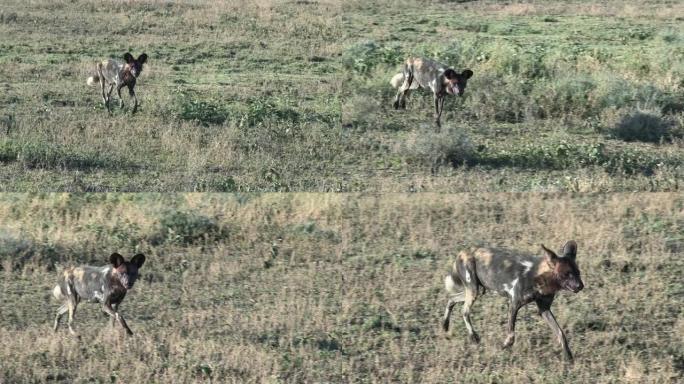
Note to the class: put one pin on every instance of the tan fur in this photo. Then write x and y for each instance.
(57, 293)
(544, 279)
(463, 256)
(78, 274)
(484, 256)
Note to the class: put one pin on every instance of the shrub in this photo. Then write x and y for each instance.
(449, 146)
(205, 112)
(262, 109)
(187, 228)
(16, 252)
(642, 126)
(365, 56)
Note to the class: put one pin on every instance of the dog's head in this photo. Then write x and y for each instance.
(136, 65)
(126, 271)
(456, 82)
(564, 267)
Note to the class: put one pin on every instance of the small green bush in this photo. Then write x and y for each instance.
(187, 228)
(363, 57)
(206, 112)
(262, 109)
(642, 126)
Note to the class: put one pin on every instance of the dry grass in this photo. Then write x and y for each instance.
(338, 288)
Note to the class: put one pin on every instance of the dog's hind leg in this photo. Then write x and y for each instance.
(466, 270)
(399, 97)
(406, 95)
(404, 89)
(409, 82)
(453, 299)
(60, 312)
(105, 98)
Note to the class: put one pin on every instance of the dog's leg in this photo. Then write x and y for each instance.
(71, 306)
(135, 98)
(438, 114)
(102, 84)
(60, 312)
(441, 109)
(453, 299)
(407, 92)
(467, 273)
(400, 99)
(513, 308)
(399, 96)
(109, 93)
(470, 297)
(118, 91)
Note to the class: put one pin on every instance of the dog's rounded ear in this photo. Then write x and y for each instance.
(138, 260)
(570, 250)
(116, 260)
(467, 73)
(550, 257)
(142, 58)
(450, 74)
(128, 57)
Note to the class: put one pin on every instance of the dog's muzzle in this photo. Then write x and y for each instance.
(455, 90)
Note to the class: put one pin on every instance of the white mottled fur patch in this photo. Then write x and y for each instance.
(527, 264)
(511, 290)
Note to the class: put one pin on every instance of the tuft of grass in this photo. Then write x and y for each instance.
(449, 146)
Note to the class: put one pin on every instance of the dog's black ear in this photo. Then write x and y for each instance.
(549, 256)
(570, 249)
(115, 259)
(138, 260)
(450, 74)
(128, 57)
(467, 74)
(142, 58)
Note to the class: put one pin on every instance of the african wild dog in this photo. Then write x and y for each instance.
(523, 279)
(118, 74)
(107, 285)
(424, 73)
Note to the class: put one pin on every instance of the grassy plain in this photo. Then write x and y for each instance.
(294, 96)
(337, 288)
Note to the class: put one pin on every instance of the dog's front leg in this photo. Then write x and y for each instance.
(514, 306)
(135, 98)
(438, 112)
(118, 91)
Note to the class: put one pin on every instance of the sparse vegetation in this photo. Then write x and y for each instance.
(294, 96)
(337, 288)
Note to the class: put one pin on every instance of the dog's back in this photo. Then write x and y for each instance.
(108, 70)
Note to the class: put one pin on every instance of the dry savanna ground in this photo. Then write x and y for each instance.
(337, 288)
(294, 96)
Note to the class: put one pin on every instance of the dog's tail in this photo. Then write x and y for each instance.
(57, 293)
(397, 80)
(93, 80)
(453, 285)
